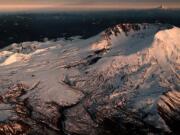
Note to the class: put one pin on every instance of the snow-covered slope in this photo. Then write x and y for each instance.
(120, 73)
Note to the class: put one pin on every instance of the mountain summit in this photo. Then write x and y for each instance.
(162, 7)
(124, 80)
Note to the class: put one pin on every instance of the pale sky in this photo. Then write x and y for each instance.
(80, 1)
(16, 5)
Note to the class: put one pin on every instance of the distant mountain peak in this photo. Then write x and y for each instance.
(162, 7)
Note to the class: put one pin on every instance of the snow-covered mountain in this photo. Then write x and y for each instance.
(109, 84)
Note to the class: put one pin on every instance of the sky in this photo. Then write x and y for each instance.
(15, 5)
(81, 1)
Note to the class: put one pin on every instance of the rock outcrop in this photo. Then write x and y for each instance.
(169, 109)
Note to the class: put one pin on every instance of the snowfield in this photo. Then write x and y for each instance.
(108, 84)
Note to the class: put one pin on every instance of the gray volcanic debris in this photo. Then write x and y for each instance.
(123, 81)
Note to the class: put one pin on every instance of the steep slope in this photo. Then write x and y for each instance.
(107, 84)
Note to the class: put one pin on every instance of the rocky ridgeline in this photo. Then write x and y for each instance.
(124, 28)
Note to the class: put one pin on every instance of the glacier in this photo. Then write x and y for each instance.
(117, 82)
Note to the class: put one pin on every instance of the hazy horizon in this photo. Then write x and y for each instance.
(18, 5)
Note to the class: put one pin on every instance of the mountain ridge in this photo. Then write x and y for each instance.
(83, 86)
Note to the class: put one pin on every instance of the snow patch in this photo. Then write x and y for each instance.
(17, 57)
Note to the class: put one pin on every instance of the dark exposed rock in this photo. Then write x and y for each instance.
(14, 128)
(93, 60)
(169, 109)
(26, 120)
(126, 28)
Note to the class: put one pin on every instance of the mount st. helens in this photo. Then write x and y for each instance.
(125, 80)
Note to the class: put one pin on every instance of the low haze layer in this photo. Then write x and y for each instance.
(18, 5)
